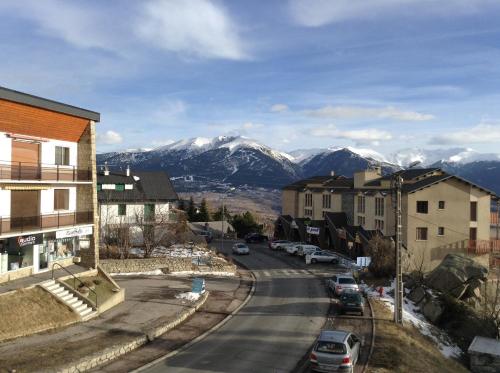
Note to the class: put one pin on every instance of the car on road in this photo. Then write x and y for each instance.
(241, 249)
(335, 351)
(273, 245)
(342, 282)
(324, 257)
(352, 301)
(303, 250)
(255, 238)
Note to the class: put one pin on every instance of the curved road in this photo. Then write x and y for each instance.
(271, 333)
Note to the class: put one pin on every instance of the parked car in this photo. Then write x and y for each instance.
(255, 238)
(303, 250)
(273, 245)
(292, 249)
(352, 301)
(207, 235)
(284, 246)
(241, 249)
(339, 283)
(334, 351)
(324, 257)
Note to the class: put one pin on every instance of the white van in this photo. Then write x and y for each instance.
(303, 250)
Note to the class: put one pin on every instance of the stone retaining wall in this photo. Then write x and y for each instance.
(170, 264)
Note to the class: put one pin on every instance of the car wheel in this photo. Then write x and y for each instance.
(313, 260)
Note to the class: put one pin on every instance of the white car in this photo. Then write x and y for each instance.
(342, 282)
(324, 257)
(241, 249)
(292, 249)
(285, 246)
(274, 245)
(303, 250)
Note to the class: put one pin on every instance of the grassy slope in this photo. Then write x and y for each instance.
(405, 349)
(29, 311)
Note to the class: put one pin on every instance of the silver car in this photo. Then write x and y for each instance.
(241, 249)
(324, 257)
(335, 351)
(342, 282)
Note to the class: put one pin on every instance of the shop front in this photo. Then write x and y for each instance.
(19, 252)
(66, 243)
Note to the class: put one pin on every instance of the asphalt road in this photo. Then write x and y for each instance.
(272, 332)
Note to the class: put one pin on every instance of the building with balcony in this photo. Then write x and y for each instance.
(441, 213)
(47, 184)
(131, 199)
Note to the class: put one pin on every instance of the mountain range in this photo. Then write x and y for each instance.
(199, 163)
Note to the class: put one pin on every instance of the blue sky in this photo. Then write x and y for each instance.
(383, 74)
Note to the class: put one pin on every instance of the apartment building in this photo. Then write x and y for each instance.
(47, 185)
(442, 213)
(128, 199)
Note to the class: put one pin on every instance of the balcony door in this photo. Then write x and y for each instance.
(25, 209)
(25, 160)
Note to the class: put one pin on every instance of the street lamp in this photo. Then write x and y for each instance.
(223, 217)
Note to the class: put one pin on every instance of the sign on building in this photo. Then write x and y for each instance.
(23, 241)
(312, 230)
(74, 232)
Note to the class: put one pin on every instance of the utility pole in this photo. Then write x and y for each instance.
(222, 228)
(398, 295)
(498, 219)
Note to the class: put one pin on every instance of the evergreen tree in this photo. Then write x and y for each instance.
(191, 211)
(246, 223)
(181, 205)
(217, 216)
(203, 214)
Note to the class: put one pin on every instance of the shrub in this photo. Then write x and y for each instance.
(382, 255)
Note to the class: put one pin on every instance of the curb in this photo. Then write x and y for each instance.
(373, 337)
(208, 332)
(107, 355)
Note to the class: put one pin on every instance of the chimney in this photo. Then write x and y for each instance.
(128, 170)
(106, 169)
(332, 173)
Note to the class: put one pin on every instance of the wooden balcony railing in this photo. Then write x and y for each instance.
(483, 246)
(42, 172)
(40, 222)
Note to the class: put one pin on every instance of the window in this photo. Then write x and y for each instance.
(421, 234)
(379, 206)
(361, 204)
(327, 201)
(308, 212)
(324, 213)
(122, 210)
(379, 224)
(441, 205)
(61, 199)
(440, 231)
(120, 187)
(361, 220)
(62, 156)
(309, 199)
(149, 211)
(99, 187)
(473, 211)
(422, 207)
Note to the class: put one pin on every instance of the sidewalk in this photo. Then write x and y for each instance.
(39, 277)
(149, 300)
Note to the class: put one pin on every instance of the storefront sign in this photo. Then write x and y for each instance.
(23, 241)
(74, 232)
(312, 230)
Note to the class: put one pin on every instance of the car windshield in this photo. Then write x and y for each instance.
(347, 281)
(351, 297)
(331, 347)
(241, 246)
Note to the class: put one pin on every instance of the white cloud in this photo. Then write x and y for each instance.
(250, 125)
(167, 109)
(315, 13)
(388, 112)
(109, 138)
(196, 27)
(361, 137)
(480, 134)
(278, 108)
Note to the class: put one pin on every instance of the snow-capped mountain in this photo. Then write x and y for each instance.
(428, 157)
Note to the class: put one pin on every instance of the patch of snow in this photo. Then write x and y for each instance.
(190, 296)
(411, 314)
(196, 273)
(156, 272)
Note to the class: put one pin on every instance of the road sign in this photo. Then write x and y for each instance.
(198, 285)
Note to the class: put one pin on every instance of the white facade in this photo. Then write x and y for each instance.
(109, 212)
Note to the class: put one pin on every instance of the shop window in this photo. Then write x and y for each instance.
(422, 207)
(61, 199)
(120, 187)
(421, 234)
(62, 156)
(122, 210)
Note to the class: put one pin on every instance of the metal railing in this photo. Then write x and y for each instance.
(42, 172)
(74, 280)
(39, 222)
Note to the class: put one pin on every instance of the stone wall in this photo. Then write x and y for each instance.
(171, 264)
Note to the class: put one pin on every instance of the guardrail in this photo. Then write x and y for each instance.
(38, 222)
(42, 172)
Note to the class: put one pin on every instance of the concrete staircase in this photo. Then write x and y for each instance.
(82, 309)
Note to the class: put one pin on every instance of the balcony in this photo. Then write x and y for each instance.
(42, 222)
(483, 246)
(10, 171)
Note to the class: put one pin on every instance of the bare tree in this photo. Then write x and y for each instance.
(491, 301)
(153, 227)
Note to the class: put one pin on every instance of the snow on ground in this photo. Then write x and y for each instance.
(191, 273)
(190, 296)
(148, 273)
(411, 313)
(174, 251)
